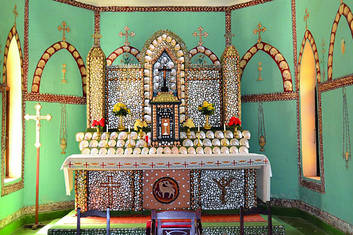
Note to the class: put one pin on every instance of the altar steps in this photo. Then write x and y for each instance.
(211, 224)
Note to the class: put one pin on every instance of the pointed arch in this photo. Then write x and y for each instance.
(276, 56)
(13, 33)
(7, 189)
(308, 36)
(207, 52)
(346, 12)
(123, 49)
(48, 54)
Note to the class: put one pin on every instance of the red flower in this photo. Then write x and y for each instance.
(100, 123)
(234, 121)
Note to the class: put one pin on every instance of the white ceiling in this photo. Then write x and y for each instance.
(145, 3)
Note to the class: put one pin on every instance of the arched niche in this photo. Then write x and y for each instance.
(121, 50)
(347, 13)
(164, 48)
(205, 51)
(276, 55)
(48, 54)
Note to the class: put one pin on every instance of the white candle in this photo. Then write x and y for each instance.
(224, 125)
(129, 128)
(198, 128)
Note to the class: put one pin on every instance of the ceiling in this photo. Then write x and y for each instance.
(147, 3)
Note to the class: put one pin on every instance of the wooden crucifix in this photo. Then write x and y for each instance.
(165, 70)
(37, 118)
(259, 29)
(63, 28)
(200, 35)
(126, 35)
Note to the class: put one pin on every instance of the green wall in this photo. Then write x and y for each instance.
(280, 116)
(144, 24)
(337, 198)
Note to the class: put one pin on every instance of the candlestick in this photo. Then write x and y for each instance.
(224, 127)
(198, 128)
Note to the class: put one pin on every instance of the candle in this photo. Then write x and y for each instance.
(129, 128)
(107, 127)
(198, 128)
(224, 125)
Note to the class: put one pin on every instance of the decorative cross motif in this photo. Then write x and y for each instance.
(126, 35)
(97, 36)
(306, 18)
(260, 69)
(63, 28)
(15, 12)
(229, 35)
(165, 70)
(110, 185)
(63, 80)
(37, 118)
(222, 184)
(260, 28)
(200, 35)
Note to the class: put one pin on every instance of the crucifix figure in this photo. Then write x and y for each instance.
(306, 17)
(222, 184)
(200, 35)
(229, 35)
(126, 35)
(96, 37)
(15, 12)
(260, 28)
(165, 70)
(63, 28)
(37, 118)
(110, 185)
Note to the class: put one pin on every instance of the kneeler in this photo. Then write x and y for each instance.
(93, 213)
(175, 222)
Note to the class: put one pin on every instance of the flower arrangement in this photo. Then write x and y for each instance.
(234, 121)
(206, 108)
(121, 109)
(99, 124)
(140, 125)
(189, 123)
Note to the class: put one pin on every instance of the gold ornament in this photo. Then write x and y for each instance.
(63, 28)
(260, 28)
(207, 125)
(200, 35)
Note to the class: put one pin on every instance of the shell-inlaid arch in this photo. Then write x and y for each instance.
(207, 52)
(276, 56)
(13, 33)
(309, 37)
(346, 12)
(174, 46)
(121, 50)
(48, 54)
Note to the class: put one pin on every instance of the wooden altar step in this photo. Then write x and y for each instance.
(211, 224)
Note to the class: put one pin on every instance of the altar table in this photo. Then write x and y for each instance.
(137, 169)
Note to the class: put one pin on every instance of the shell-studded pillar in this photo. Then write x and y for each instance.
(231, 83)
(96, 62)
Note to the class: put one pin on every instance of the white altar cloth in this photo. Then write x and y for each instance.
(172, 161)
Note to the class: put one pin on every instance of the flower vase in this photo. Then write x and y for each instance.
(236, 135)
(98, 133)
(207, 125)
(141, 134)
(121, 126)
